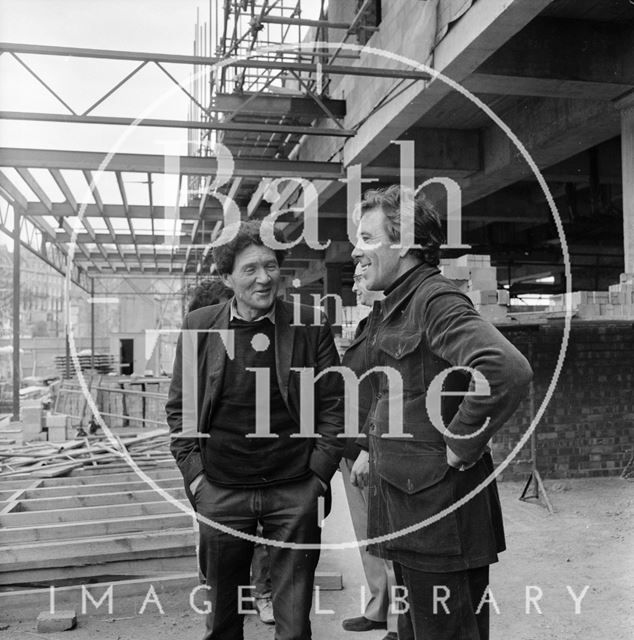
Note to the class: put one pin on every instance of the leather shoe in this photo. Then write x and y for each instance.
(362, 624)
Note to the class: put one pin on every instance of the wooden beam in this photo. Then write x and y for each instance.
(94, 500)
(82, 551)
(538, 61)
(41, 492)
(74, 514)
(93, 528)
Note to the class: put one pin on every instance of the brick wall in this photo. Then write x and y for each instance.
(587, 428)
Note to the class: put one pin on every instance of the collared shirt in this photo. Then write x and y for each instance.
(234, 314)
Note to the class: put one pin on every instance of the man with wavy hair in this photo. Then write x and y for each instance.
(245, 465)
(430, 333)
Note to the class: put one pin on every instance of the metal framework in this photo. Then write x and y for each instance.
(259, 105)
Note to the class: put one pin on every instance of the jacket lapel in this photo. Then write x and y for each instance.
(217, 353)
(284, 341)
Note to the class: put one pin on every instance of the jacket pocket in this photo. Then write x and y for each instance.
(398, 345)
(416, 484)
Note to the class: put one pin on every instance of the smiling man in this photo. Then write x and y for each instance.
(239, 474)
(424, 327)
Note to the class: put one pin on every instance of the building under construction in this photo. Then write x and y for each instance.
(515, 117)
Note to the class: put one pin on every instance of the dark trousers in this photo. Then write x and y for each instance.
(287, 513)
(429, 619)
(261, 570)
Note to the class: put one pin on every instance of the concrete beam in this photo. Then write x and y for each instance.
(447, 152)
(486, 26)
(483, 29)
(538, 61)
(551, 130)
(626, 107)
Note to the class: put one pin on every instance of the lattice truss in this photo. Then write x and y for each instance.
(259, 106)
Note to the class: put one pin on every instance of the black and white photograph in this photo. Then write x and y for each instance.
(317, 319)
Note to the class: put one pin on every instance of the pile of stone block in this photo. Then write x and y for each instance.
(478, 279)
(615, 304)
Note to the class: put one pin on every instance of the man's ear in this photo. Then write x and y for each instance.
(226, 280)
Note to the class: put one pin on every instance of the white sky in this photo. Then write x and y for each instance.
(165, 26)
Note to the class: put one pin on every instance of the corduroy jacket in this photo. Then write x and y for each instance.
(425, 326)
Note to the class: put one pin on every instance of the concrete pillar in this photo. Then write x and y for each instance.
(626, 106)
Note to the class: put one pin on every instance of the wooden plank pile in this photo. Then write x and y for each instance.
(103, 363)
(96, 523)
(49, 460)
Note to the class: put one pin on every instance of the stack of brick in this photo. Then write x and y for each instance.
(615, 304)
(478, 279)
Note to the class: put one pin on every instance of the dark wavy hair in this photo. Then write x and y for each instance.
(248, 234)
(428, 231)
(209, 292)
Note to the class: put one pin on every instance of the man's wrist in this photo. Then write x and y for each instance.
(456, 462)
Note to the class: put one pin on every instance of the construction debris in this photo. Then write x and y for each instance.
(48, 622)
(49, 460)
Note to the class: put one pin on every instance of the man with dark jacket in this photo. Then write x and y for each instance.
(244, 463)
(429, 332)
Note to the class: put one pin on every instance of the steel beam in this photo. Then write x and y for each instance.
(276, 105)
(110, 54)
(187, 165)
(210, 125)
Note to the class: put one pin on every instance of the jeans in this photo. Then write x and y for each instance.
(443, 606)
(287, 513)
(261, 570)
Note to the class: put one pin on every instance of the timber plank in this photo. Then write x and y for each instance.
(95, 500)
(90, 489)
(88, 551)
(102, 512)
(94, 528)
(117, 571)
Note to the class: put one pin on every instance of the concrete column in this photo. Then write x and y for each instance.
(626, 106)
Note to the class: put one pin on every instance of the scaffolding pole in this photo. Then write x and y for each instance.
(92, 323)
(16, 312)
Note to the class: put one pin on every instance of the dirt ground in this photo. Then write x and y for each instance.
(588, 541)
